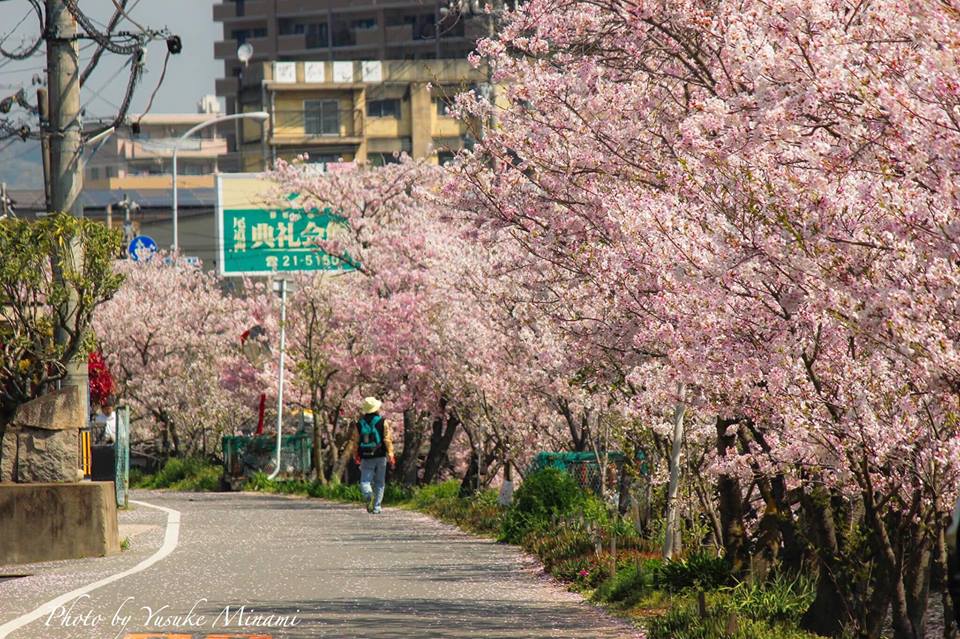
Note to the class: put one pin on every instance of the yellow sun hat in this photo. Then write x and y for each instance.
(370, 405)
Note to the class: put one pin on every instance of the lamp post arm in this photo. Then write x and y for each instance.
(262, 116)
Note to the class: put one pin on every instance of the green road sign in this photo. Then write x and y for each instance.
(262, 242)
(257, 238)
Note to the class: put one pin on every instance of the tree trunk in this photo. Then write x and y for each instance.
(917, 564)
(670, 542)
(407, 464)
(878, 605)
(470, 481)
(941, 575)
(791, 551)
(317, 453)
(830, 613)
(730, 503)
(440, 440)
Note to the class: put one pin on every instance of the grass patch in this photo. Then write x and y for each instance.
(187, 474)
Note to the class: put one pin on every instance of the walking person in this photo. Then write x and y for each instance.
(372, 445)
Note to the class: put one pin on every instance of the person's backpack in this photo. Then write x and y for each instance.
(369, 435)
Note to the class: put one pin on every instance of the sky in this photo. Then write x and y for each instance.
(189, 76)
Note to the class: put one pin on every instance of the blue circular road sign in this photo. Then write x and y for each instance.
(142, 246)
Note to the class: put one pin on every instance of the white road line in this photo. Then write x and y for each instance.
(170, 539)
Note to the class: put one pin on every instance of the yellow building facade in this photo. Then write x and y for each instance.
(363, 111)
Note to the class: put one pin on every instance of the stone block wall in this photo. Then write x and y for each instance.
(41, 444)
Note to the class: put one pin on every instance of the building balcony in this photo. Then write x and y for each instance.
(263, 49)
(299, 128)
(226, 86)
(292, 42)
(232, 12)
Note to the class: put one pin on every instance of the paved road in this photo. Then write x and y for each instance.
(332, 569)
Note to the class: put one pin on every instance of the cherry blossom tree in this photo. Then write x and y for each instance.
(171, 337)
(750, 201)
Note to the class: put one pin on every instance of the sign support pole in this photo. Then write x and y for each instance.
(283, 341)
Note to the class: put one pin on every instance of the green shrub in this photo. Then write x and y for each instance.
(258, 482)
(684, 621)
(782, 598)
(432, 493)
(137, 478)
(594, 510)
(480, 513)
(542, 497)
(583, 572)
(572, 569)
(632, 578)
(554, 546)
(189, 474)
(700, 570)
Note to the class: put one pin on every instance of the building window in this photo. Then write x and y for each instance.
(445, 157)
(288, 26)
(242, 35)
(383, 108)
(94, 173)
(321, 117)
(382, 159)
(317, 35)
(444, 105)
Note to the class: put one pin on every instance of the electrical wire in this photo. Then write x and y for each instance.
(122, 10)
(29, 51)
(7, 145)
(105, 40)
(98, 92)
(5, 63)
(16, 26)
(163, 73)
(95, 59)
(136, 62)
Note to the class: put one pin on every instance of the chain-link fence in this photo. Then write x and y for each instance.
(243, 456)
(585, 468)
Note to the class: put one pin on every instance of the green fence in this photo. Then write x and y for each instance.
(243, 456)
(585, 467)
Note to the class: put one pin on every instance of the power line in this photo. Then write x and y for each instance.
(29, 51)
(9, 61)
(98, 92)
(16, 26)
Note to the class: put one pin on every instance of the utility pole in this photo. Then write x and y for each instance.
(4, 201)
(43, 111)
(63, 84)
(64, 138)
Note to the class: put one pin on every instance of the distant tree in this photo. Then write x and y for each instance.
(37, 277)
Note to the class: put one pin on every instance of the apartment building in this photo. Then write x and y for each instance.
(364, 111)
(347, 79)
(143, 160)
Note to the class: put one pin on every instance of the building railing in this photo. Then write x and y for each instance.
(299, 124)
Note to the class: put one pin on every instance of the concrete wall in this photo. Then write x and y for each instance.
(48, 522)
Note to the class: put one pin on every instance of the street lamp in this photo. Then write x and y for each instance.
(261, 116)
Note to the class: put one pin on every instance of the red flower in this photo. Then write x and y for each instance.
(101, 382)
